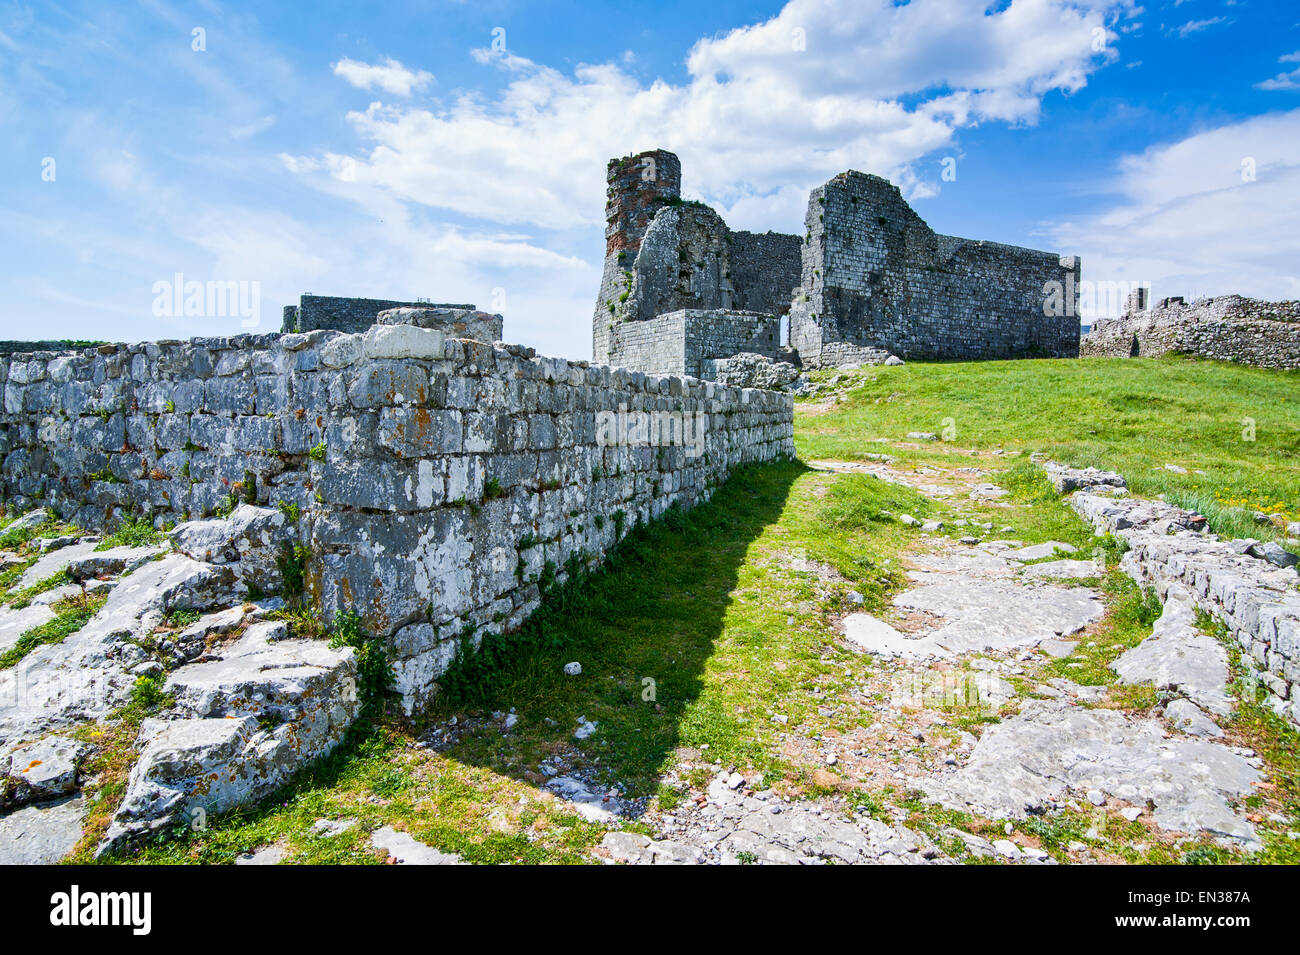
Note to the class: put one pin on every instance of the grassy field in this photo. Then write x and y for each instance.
(1235, 430)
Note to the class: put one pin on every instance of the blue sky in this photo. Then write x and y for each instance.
(456, 151)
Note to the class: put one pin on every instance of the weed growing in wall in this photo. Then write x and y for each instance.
(292, 563)
(374, 675)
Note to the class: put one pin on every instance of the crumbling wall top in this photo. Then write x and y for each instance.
(636, 188)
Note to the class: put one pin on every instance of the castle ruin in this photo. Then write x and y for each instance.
(867, 280)
(1231, 328)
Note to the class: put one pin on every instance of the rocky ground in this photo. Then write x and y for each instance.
(222, 704)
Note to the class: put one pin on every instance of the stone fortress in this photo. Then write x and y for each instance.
(400, 461)
(867, 282)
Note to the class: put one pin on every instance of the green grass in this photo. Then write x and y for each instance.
(703, 605)
(22, 598)
(1130, 415)
(133, 532)
(72, 614)
(14, 538)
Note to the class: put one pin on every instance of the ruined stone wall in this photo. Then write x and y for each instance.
(1254, 599)
(636, 188)
(663, 255)
(1227, 328)
(15, 347)
(315, 312)
(875, 275)
(765, 270)
(656, 346)
(440, 482)
(683, 342)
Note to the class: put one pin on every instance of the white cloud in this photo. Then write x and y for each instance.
(391, 76)
(875, 86)
(1284, 81)
(1197, 26)
(1192, 222)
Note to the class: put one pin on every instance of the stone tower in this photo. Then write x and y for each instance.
(636, 187)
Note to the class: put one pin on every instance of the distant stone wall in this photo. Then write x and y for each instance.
(683, 342)
(441, 483)
(315, 312)
(875, 275)
(868, 279)
(656, 346)
(1227, 328)
(636, 188)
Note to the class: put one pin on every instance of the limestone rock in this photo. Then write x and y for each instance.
(252, 537)
(40, 771)
(1275, 554)
(737, 827)
(1191, 719)
(14, 622)
(246, 723)
(1064, 569)
(983, 615)
(452, 322)
(404, 849)
(272, 854)
(585, 800)
(1178, 656)
(877, 637)
(270, 676)
(54, 562)
(88, 674)
(115, 560)
(750, 370)
(28, 521)
(403, 341)
(1067, 479)
(41, 834)
(1039, 551)
(1034, 760)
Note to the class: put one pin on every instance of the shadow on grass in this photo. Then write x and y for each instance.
(642, 627)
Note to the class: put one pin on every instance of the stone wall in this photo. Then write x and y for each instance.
(663, 254)
(682, 342)
(636, 188)
(315, 312)
(765, 269)
(875, 275)
(1257, 601)
(1226, 328)
(868, 280)
(440, 483)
